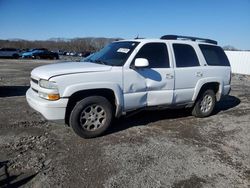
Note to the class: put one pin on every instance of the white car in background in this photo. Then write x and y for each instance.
(9, 53)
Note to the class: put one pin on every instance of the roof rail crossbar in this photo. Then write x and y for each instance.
(176, 37)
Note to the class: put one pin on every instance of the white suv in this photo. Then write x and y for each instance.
(174, 71)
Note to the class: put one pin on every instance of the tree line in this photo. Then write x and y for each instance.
(77, 44)
(89, 44)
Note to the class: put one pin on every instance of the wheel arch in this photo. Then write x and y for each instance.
(214, 84)
(108, 93)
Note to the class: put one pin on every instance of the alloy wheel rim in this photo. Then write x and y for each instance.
(206, 103)
(93, 117)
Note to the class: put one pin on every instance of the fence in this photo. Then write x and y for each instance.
(240, 61)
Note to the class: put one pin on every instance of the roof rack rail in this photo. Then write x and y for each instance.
(176, 37)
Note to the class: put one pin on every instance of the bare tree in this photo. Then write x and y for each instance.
(229, 47)
(76, 44)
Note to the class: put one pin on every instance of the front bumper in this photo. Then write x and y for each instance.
(51, 110)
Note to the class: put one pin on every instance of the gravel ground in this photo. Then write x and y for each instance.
(166, 148)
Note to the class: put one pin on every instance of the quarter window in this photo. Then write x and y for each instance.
(156, 54)
(185, 56)
(214, 55)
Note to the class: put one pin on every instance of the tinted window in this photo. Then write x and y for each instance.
(10, 49)
(185, 56)
(156, 54)
(214, 55)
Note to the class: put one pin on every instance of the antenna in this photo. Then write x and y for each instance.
(137, 37)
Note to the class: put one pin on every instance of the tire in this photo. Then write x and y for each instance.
(91, 116)
(37, 57)
(204, 105)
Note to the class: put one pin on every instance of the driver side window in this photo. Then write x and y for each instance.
(156, 54)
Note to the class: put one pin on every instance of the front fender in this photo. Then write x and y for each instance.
(70, 90)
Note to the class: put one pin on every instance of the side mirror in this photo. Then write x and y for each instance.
(141, 63)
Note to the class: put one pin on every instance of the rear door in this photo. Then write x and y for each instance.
(187, 72)
(152, 85)
(42, 54)
(10, 52)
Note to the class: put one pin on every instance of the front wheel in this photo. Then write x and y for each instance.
(91, 116)
(205, 104)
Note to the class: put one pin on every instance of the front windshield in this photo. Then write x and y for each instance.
(114, 54)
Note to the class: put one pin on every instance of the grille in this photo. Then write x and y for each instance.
(34, 80)
(34, 90)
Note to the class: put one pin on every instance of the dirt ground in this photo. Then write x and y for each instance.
(166, 148)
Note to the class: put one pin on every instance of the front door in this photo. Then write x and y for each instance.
(150, 86)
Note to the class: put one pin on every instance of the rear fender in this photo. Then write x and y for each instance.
(204, 81)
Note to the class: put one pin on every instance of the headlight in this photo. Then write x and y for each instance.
(53, 94)
(47, 84)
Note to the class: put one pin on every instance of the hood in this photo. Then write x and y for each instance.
(48, 71)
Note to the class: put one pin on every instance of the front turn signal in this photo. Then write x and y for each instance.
(53, 97)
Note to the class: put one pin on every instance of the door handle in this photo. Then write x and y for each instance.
(199, 74)
(169, 76)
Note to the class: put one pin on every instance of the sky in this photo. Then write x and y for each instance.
(227, 21)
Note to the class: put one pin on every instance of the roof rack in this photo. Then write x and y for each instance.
(176, 37)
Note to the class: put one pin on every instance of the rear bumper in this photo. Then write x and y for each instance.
(226, 90)
(51, 110)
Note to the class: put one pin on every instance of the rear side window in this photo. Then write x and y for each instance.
(185, 56)
(214, 55)
(156, 54)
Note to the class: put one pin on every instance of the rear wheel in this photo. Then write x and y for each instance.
(91, 116)
(205, 104)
